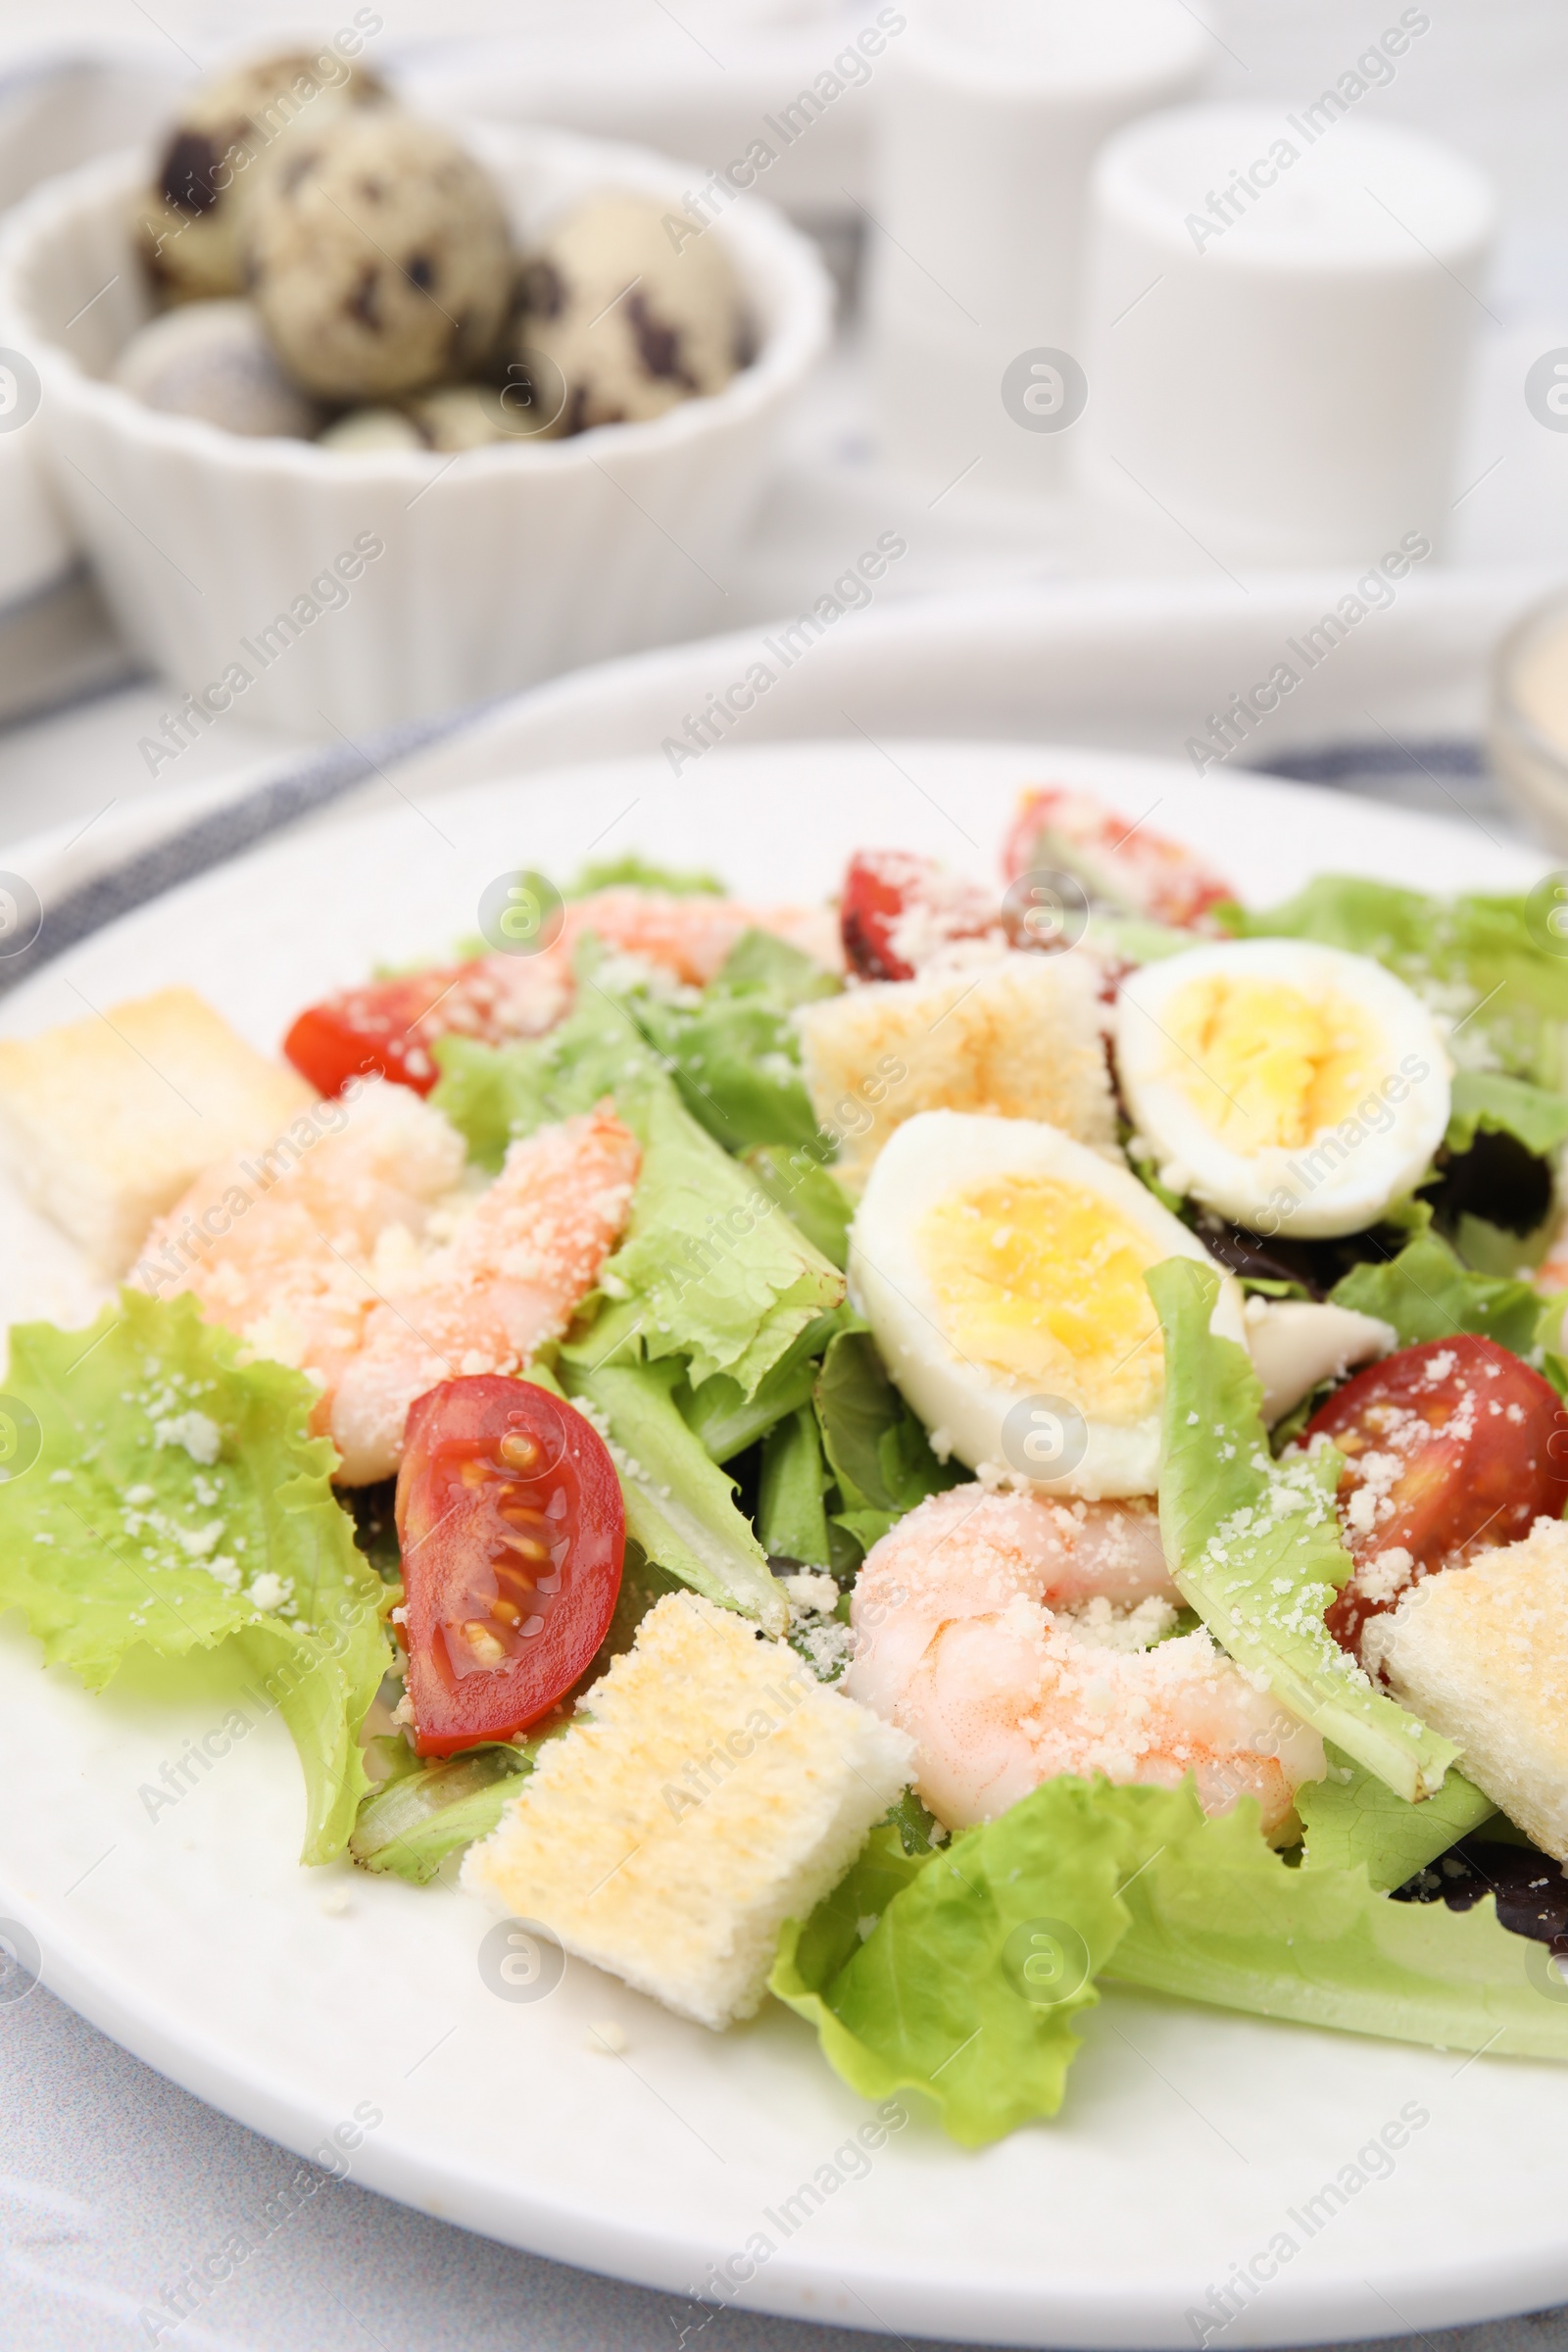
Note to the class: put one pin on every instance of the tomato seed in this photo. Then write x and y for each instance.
(520, 1514)
(487, 1646)
(528, 1548)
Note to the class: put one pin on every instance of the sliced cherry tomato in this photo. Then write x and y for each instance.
(386, 1029)
(378, 1031)
(511, 1528)
(1450, 1447)
(896, 910)
(1120, 863)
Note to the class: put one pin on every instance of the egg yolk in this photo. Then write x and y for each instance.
(1043, 1280)
(1267, 1065)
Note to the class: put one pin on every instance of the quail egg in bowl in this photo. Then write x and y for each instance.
(1295, 1088)
(1001, 1266)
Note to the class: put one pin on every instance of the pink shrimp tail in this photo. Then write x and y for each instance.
(521, 1265)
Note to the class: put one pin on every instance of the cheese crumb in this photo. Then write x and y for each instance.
(201, 1437)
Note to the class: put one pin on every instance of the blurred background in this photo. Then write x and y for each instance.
(1092, 325)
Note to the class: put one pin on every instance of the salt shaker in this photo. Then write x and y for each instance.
(989, 117)
(1281, 310)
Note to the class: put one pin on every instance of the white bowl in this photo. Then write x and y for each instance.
(500, 567)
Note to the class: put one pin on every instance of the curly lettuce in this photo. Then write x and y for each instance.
(877, 1449)
(710, 1267)
(680, 1506)
(734, 1053)
(1488, 1103)
(1254, 1543)
(961, 1974)
(177, 1501)
(1351, 1818)
(1479, 961)
(1429, 1293)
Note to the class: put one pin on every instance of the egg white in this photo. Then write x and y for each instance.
(1344, 1177)
(929, 1158)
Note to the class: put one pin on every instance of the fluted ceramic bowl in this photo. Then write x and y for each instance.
(496, 569)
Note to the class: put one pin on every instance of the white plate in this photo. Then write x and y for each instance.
(1190, 2136)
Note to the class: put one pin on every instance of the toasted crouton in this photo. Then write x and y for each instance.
(1481, 1653)
(108, 1119)
(1016, 1034)
(711, 1789)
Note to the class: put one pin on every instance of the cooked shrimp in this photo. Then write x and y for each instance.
(319, 1255)
(985, 1629)
(277, 1244)
(510, 1279)
(690, 937)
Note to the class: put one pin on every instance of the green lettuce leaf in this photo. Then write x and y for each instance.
(1474, 959)
(177, 1501)
(731, 1051)
(407, 1827)
(816, 1200)
(1427, 1293)
(729, 1421)
(791, 1514)
(1216, 1917)
(708, 1269)
(494, 1094)
(481, 1090)
(1486, 1101)
(734, 1052)
(1351, 1818)
(636, 873)
(760, 964)
(735, 1060)
(876, 1447)
(679, 1504)
(959, 1975)
(1254, 1543)
(1133, 938)
(920, 1831)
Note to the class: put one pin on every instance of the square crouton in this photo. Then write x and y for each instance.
(1018, 1034)
(1481, 1653)
(710, 1789)
(108, 1119)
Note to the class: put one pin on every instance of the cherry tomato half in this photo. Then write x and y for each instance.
(383, 1030)
(1118, 862)
(897, 908)
(1450, 1447)
(512, 1527)
(386, 1029)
